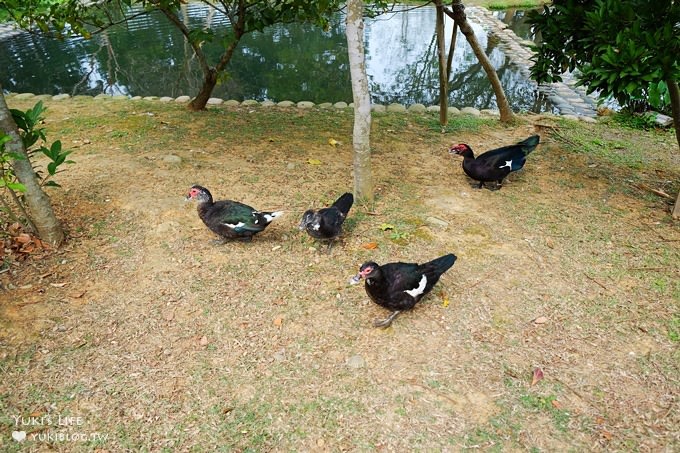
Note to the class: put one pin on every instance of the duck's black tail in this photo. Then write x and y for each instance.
(529, 144)
(344, 203)
(443, 263)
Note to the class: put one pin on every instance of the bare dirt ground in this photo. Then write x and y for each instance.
(152, 338)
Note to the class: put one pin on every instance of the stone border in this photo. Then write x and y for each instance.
(217, 102)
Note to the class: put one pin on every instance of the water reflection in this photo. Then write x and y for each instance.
(148, 57)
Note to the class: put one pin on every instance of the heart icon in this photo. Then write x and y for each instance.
(19, 436)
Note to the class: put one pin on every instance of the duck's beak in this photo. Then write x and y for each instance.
(355, 280)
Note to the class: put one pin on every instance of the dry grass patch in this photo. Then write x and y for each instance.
(163, 341)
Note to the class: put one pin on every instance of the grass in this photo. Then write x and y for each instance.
(569, 240)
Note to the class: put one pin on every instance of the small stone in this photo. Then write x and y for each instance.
(587, 119)
(325, 105)
(570, 117)
(232, 103)
(280, 355)
(166, 99)
(61, 97)
(24, 96)
(268, 103)
(305, 105)
(150, 98)
(434, 108)
(454, 110)
(183, 99)
(437, 222)
(394, 107)
(250, 103)
(356, 362)
(417, 108)
(490, 112)
(663, 120)
(286, 104)
(119, 97)
(378, 108)
(136, 98)
(172, 159)
(340, 105)
(215, 101)
(470, 111)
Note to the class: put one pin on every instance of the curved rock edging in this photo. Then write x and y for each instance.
(217, 102)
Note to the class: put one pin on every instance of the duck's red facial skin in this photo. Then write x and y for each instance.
(458, 149)
(366, 271)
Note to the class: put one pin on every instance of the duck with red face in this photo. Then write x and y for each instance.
(495, 165)
(400, 286)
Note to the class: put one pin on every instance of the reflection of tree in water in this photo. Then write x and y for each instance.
(294, 62)
(417, 82)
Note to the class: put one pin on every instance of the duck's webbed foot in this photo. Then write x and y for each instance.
(387, 321)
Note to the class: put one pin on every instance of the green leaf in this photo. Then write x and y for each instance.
(386, 226)
(16, 186)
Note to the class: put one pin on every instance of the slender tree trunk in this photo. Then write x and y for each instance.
(458, 14)
(209, 73)
(201, 99)
(674, 92)
(452, 49)
(354, 30)
(42, 215)
(443, 74)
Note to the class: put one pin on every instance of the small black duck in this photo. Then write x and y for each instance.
(399, 286)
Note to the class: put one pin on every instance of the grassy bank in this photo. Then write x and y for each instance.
(157, 339)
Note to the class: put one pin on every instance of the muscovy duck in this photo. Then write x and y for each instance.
(399, 286)
(496, 164)
(326, 223)
(230, 219)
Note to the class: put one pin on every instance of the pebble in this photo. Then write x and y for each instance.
(356, 362)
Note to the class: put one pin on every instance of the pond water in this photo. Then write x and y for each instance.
(148, 57)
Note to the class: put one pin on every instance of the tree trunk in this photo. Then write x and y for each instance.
(443, 75)
(458, 14)
(354, 30)
(201, 99)
(42, 215)
(452, 49)
(674, 92)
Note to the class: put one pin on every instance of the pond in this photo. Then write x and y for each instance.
(148, 57)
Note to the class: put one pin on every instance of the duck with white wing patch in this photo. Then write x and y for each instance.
(399, 286)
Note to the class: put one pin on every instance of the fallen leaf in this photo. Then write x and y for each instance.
(370, 245)
(386, 226)
(550, 243)
(599, 420)
(204, 341)
(59, 285)
(540, 320)
(333, 142)
(538, 376)
(607, 435)
(314, 161)
(23, 238)
(278, 321)
(445, 303)
(275, 248)
(556, 404)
